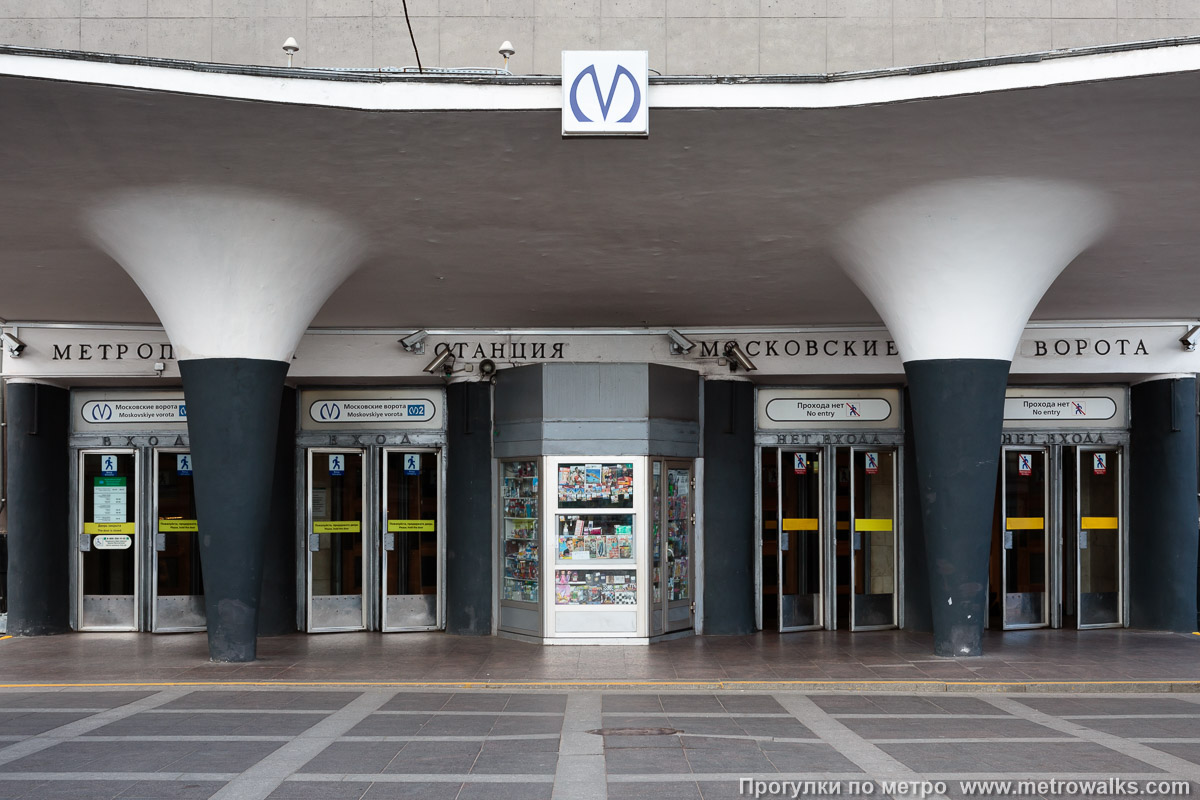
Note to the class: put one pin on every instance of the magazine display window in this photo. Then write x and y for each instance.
(595, 549)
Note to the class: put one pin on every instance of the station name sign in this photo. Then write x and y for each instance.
(118, 412)
(360, 411)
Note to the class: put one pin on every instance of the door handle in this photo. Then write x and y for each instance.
(85, 542)
(314, 542)
(389, 541)
(160, 542)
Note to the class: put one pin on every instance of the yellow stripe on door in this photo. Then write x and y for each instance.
(800, 524)
(1098, 523)
(328, 526)
(411, 525)
(1024, 523)
(872, 524)
(96, 528)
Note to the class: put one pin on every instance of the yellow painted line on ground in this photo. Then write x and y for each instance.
(5, 637)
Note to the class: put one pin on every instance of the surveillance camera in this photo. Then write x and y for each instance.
(415, 342)
(680, 344)
(738, 358)
(1188, 340)
(443, 362)
(15, 345)
(487, 368)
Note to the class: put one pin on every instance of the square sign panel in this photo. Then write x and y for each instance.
(604, 93)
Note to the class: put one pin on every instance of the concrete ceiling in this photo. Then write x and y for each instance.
(490, 219)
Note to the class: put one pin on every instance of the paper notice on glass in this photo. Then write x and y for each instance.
(320, 509)
(108, 498)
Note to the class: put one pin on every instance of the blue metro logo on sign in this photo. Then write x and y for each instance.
(604, 93)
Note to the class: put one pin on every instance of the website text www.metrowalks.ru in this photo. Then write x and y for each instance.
(1082, 787)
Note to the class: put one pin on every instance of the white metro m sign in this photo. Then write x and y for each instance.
(604, 93)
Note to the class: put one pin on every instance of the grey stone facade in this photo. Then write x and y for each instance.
(682, 36)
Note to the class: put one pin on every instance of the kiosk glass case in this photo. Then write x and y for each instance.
(520, 547)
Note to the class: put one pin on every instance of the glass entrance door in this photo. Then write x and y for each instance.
(1098, 539)
(109, 558)
(409, 561)
(1024, 564)
(336, 563)
(177, 584)
(671, 528)
(799, 563)
(873, 561)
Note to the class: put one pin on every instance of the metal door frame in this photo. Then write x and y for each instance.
(138, 536)
(1122, 539)
(1047, 510)
(367, 520)
(822, 526)
(896, 559)
(380, 540)
(152, 536)
(667, 604)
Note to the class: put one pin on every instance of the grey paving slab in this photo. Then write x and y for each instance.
(264, 699)
(29, 723)
(640, 791)
(262, 723)
(1145, 728)
(537, 702)
(505, 791)
(324, 790)
(750, 704)
(150, 756)
(940, 728)
(390, 725)
(1188, 752)
(1022, 758)
(1070, 706)
(418, 701)
(90, 699)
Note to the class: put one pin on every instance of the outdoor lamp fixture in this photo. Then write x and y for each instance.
(738, 358)
(443, 362)
(291, 47)
(680, 344)
(1188, 340)
(507, 51)
(15, 345)
(415, 342)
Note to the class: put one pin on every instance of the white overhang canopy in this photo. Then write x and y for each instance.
(478, 214)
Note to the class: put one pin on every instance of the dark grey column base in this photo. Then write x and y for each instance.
(39, 467)
(469, 584)
(1162, 506)
(957, 414)
(233, 417)
(729, 537)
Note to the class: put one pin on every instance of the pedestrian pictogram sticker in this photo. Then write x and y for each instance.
(801, 463)
(108, 464)
(1024, 463)
(412, 463)
(337, 464)
(1099, 463)
(872, 462)
(183, 463)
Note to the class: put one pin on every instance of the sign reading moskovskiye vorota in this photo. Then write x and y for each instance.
(126, 411)
(605, 93)
(381, 410)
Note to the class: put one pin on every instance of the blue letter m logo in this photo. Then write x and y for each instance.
(605, 102)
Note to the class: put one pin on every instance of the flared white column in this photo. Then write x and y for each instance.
(236, 277)
(955, 269)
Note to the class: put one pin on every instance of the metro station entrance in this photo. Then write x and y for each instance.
(1058, 540)
(136, 554)
(372, 535)
(1057, 544)
(829, 547)
(829, 552)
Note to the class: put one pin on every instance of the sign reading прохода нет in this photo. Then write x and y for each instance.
(605, 93)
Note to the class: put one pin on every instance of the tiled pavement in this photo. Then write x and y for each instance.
(102, 716)
(816, 658)
(380, 744)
